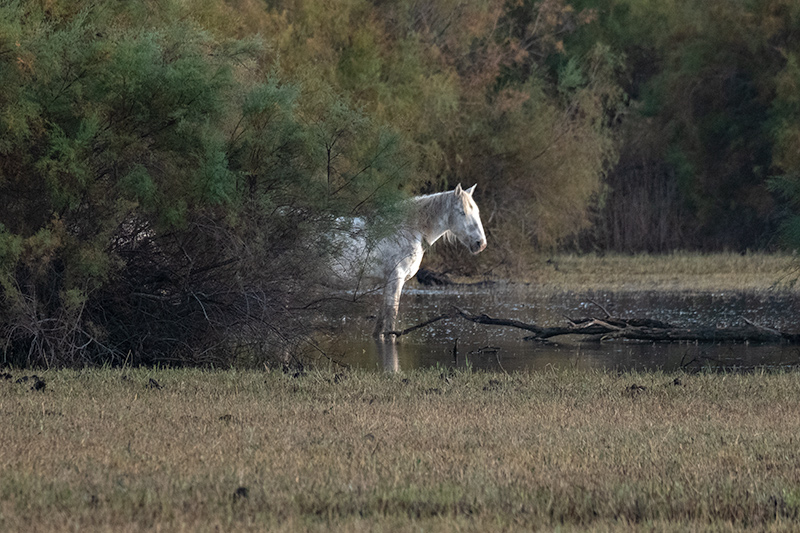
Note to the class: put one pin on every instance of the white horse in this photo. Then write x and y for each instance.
(389, 262)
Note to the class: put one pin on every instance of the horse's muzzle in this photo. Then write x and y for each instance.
(477, 247)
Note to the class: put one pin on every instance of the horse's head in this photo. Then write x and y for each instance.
(465, 220)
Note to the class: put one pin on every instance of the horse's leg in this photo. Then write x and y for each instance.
(388, 353)
(387, 315)
(391, 303)
(379, 321)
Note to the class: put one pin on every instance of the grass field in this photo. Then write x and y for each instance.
(669, 272)
(433, 450)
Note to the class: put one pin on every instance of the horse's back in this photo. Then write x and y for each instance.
(349, 251)
(361, 261)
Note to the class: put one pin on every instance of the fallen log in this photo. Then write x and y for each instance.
(429, 277)
(633, 328)
(643, 329)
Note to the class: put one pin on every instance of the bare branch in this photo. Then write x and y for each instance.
(418, 326)
(619, 328)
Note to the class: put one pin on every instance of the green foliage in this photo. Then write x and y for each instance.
(476, 90)
(706, 78)
(163, 162)
(144, 162)
(785, 113)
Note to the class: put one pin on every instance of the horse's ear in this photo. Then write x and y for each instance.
(458, 190)
(471, 189)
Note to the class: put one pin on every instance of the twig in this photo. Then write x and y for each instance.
(608, 315)
(759, 326)
(486, 319)
(598, 322)
(418, 326)
(497, 356)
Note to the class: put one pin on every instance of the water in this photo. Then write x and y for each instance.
(458, 342)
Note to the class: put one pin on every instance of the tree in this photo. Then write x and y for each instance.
(166, 196)
(704, 80)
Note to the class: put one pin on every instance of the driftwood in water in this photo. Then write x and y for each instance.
(637, 329)
(429, 277)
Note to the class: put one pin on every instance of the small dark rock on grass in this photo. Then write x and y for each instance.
(635, 389)
(39, 385)
(493, 384)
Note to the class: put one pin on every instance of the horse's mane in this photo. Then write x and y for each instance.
(429, 207)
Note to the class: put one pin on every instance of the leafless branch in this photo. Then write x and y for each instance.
(619, 328)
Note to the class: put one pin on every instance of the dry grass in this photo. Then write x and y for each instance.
(99, 450)
(673, 272)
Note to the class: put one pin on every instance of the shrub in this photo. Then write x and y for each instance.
(163, 196)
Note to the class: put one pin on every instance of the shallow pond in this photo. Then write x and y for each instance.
(458, 342)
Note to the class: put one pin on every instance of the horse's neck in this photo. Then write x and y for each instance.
(431, 217)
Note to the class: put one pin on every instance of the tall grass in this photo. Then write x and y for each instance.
(669, 272)
(102, 450)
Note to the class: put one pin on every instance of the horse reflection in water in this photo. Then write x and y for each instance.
(388, 263)
(387, 351)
